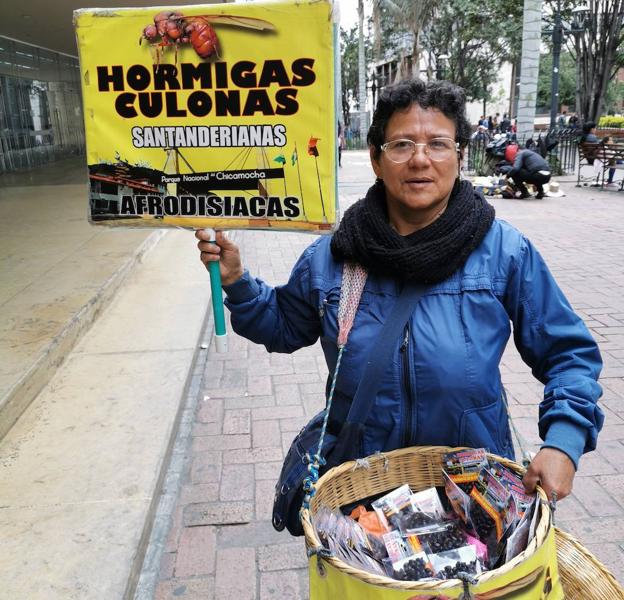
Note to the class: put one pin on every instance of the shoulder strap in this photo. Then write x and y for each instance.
(353, 282)
(382, 351)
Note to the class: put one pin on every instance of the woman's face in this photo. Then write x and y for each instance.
(418, 190)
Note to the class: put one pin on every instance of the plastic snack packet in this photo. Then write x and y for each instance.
(464, 466)
(447, 565)
(348, 541)
(396, 545)
(513, 483)
(460, 501)
(491, 513)
(389, 506)
(441, 537)
(518, 540)
(489, 504)
(480, 549)
(428, 502)
(412, 568)
(369, 520)
(536, 510)
(324, 522)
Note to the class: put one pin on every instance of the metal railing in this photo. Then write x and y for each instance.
(560, 148)
(562, 157)
(353, 140)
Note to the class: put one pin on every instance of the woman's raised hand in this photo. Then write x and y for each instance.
(224, 251)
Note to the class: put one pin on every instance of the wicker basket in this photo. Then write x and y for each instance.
(582, 575)
(421, 467)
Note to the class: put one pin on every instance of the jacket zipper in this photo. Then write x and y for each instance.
(407, 426)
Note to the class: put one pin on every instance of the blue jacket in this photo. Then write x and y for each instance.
(444, 385)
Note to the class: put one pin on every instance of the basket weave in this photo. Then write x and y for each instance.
(582, 575)
(421, 468)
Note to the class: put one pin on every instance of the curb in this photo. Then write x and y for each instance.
(146, 568)
(26, 389)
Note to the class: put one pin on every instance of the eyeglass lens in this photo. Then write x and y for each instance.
(402, 150)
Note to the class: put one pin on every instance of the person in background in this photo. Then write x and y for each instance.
(496, 123)
(562, 120)
(340, 142)
(607, 139)
(505, 125)
(573, 121)
(490, 125)
(419, 223)
(530, 167)
(589, 134)
(480, 135)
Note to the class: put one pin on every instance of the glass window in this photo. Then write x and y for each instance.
(40, 106)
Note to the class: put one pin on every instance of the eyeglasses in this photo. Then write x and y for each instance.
(437, 149)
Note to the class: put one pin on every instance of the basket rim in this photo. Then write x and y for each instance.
(542, 530)
(605, 573)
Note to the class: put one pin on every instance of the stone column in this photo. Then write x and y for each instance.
(529, 70)
(362, 77)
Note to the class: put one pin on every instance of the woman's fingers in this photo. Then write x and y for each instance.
(222, 250)
(553, 470)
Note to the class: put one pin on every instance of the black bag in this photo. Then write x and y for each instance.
(347, 445)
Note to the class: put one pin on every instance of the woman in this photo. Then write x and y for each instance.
(420, 222)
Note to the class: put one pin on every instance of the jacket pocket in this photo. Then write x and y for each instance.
(484, 427)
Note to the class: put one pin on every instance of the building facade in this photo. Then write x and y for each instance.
(40, 106)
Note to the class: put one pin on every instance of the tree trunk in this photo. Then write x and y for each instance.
(416, 55)
(596, 52)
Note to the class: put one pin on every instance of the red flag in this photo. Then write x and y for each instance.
(312, 149)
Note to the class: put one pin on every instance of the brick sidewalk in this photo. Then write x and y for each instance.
(221, 543)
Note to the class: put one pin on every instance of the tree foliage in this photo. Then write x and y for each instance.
(406, 17)
(567, 80)
(597, 50)
(477, 37)
(349, 69)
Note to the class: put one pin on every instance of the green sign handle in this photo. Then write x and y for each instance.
(217, 303)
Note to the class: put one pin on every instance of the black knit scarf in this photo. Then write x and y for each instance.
(428, 255)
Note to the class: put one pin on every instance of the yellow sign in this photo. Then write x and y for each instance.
(219, 115)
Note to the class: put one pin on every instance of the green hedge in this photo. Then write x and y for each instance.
(611, 122)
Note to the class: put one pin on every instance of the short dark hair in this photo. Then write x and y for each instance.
(588, 126)
(444, 96)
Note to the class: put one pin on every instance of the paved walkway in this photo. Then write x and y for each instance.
(220, 543)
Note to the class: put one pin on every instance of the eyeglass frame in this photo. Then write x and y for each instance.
(384, 147)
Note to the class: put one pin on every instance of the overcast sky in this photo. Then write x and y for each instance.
(348, 13)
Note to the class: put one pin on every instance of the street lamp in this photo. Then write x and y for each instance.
(579, 22)
(558, 31)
